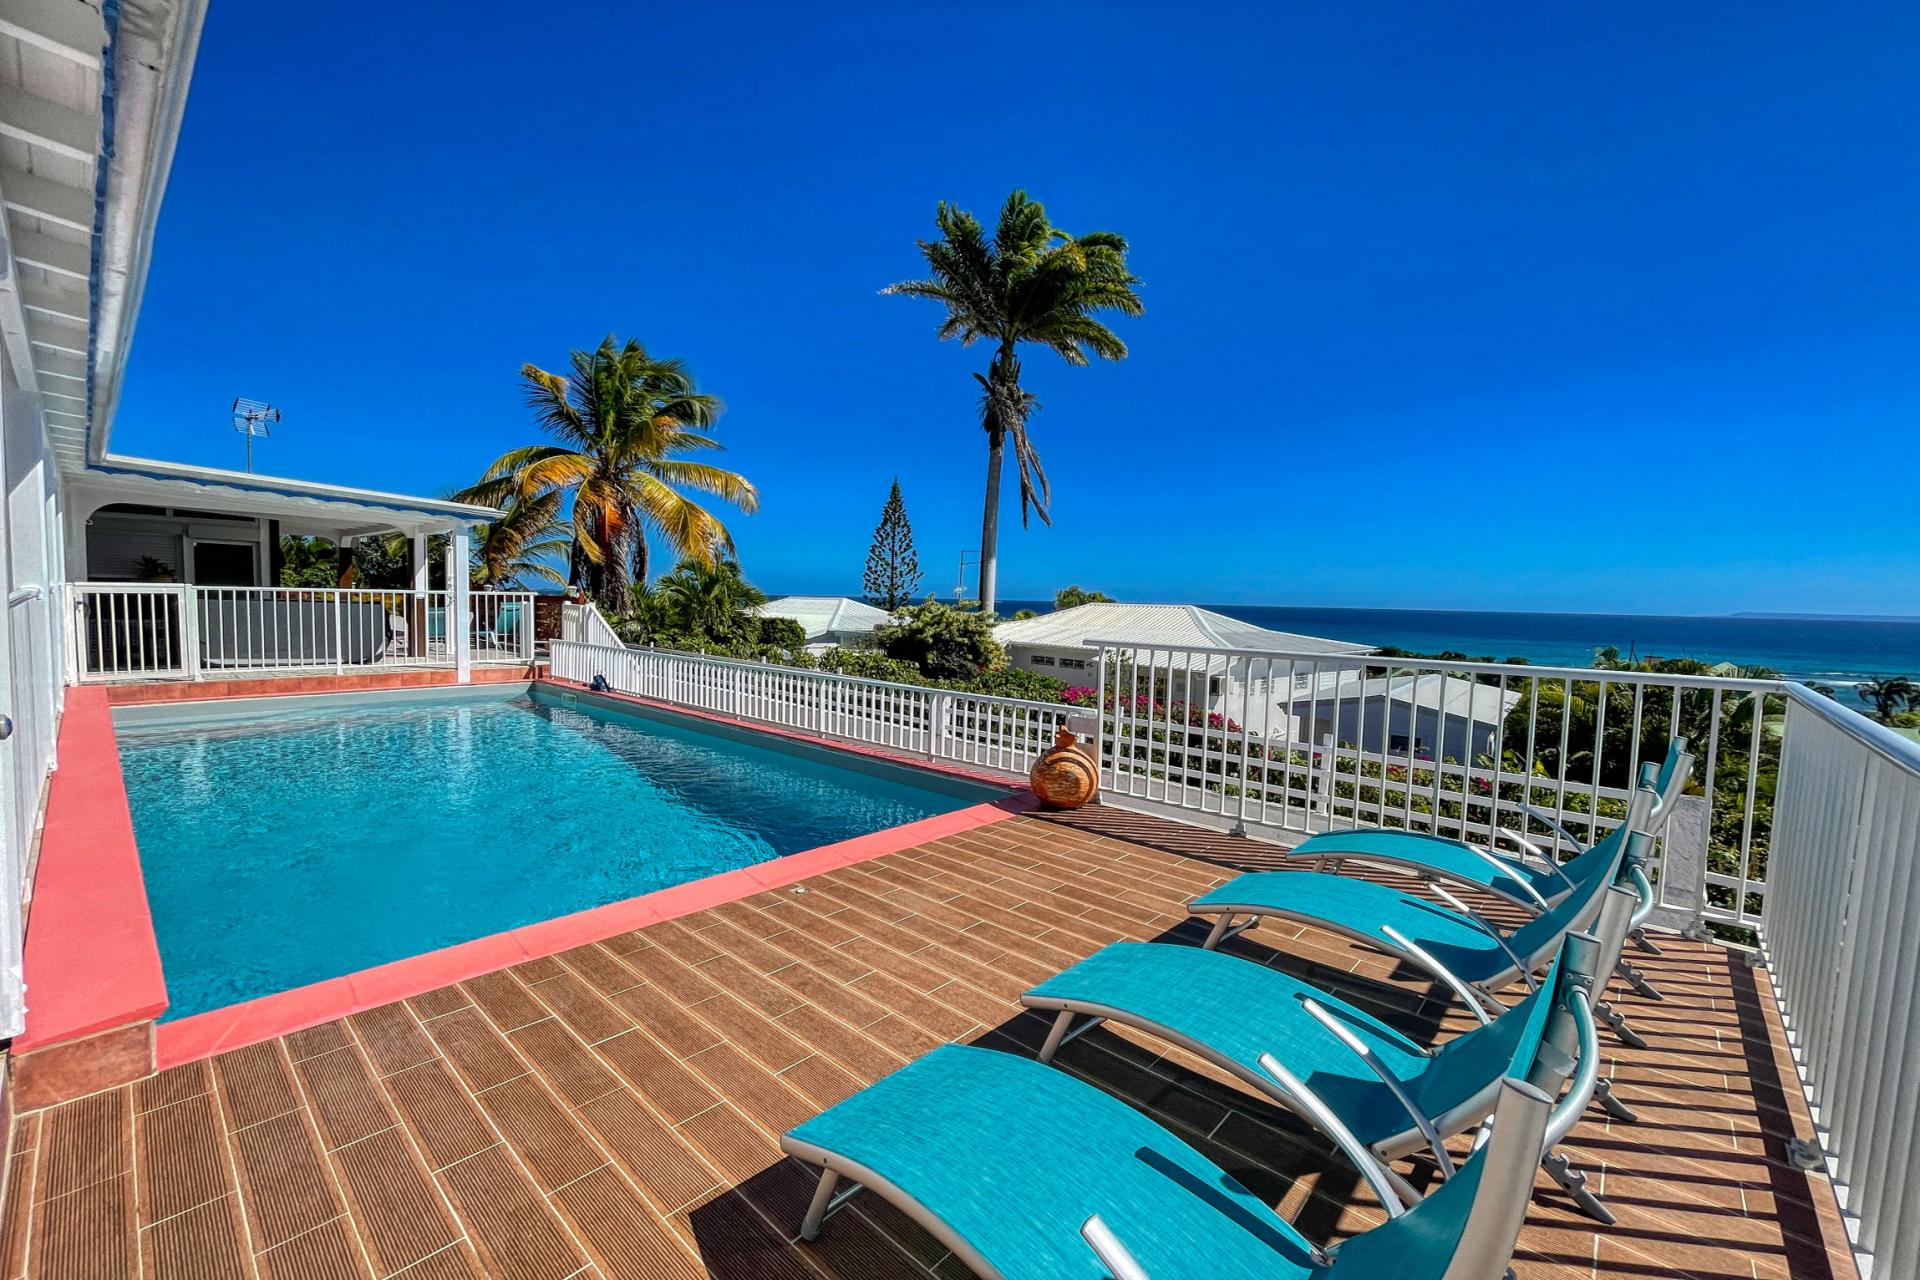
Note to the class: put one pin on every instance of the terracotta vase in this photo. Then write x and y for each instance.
(1066, 777)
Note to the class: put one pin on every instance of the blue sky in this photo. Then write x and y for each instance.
(1506, 307)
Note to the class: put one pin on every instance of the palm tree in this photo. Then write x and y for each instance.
(623, 419)
(1888, 694)
(523, 544)
(708, 598)
(308, 562)
(1035, 284)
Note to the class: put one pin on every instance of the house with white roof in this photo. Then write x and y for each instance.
(1061, 643)
(1317, 691)
(829, 621)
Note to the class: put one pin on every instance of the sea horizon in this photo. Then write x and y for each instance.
(1829, 650)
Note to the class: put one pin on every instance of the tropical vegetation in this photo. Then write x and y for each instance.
(941, 643)
(1068, 597)
(627, 425)
(1888, 695)
(706, 607)
(1031, 284)
(528, 544)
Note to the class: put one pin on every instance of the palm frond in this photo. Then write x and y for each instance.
(720, 482)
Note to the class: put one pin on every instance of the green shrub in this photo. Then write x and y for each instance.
(941, 643)
(869, 665)
(1012, 682)
(782, 633)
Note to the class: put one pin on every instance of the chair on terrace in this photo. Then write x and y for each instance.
(1023, 1171)
(1353, 1075)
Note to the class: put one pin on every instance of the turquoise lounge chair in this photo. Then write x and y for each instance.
(1464, 950)
(1464, 943)
(1028, 1174)
(1386, 1094)
(505, 632)
(1534, 880)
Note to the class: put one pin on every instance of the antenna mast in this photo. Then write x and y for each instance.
(252, 418)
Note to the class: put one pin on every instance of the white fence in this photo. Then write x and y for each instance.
(1840, 934)
(586, 624)
(1301, 742)
(1004, 734)
(159, 631)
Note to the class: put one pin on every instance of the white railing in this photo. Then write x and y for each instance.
(1299, 742)
(585, 623)
(1840, 934)
(159, 631)
(1004, 734)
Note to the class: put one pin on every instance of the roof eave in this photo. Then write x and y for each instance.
(147, 104)
(465, 513)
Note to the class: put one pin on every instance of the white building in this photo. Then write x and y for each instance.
(829, 621)
(1311, 690)
(1430, 716)
(1058, 643)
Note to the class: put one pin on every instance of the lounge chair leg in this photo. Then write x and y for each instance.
(1642, 941)
(1574, 1182)
(1222, 930)
(821, 1206)
(1637, 980)
(1618, 1022)
(1409, 1194)
(1610, 1102)
(1057, 1036)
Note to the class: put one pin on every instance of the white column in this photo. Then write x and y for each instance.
(459, 605)
(421, 576)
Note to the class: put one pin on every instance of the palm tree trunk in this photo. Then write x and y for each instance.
(577, 575)
(1002, 373)
(990, 522)
(640, 554)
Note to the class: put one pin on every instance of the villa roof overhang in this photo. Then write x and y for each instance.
(90, 104)
(302, 504)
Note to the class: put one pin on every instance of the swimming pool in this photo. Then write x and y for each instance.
(285, 846)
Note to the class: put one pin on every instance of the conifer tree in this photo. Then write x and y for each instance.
(893, 568)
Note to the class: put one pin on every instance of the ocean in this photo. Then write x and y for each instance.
(1829, 651)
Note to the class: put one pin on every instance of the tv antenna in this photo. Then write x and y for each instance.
(252, 418)
(968, 560)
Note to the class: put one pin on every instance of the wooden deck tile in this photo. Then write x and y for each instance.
(614, 1111)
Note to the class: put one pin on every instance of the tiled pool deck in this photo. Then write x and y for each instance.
(612, 1111)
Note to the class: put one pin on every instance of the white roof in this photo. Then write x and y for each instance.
(1169, 626)
(824, 615)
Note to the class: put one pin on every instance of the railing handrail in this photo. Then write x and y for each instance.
(177, 630)
(1361, 662)
(836, 677)
(1899, 751)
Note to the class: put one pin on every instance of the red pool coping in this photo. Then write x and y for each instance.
(94, 980)
(269, 1017)
(91, 961)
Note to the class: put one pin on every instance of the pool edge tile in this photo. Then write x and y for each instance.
(236, 1026)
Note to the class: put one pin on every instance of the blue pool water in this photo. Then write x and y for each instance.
(286, 850)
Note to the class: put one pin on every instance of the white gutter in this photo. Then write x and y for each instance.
(151, 67)
(148, 468)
